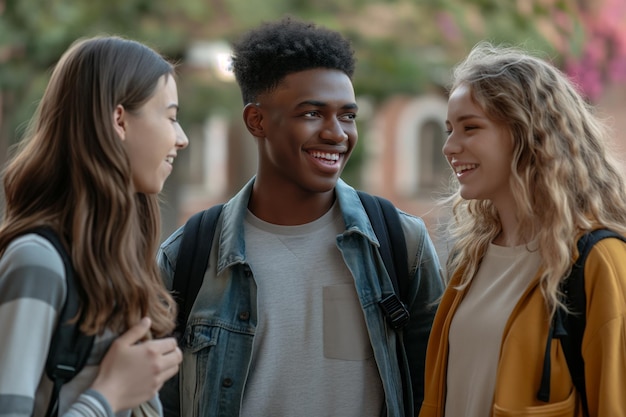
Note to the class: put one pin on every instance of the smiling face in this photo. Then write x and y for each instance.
(306, 131)
(479, 150)
(152, 136)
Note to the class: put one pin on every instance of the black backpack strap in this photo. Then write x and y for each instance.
(192, 261)
(70, 347)
(397, 244)
(388, 229)
(573, 289)
(385, 221)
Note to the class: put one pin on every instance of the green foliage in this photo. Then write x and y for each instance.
(402, 46)
(34, 34)
(383, 69)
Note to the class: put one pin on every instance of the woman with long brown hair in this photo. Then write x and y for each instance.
(94, 159)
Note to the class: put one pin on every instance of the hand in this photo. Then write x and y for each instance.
(132, 372)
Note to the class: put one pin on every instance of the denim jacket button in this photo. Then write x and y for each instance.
(244, 315)
(227, 382)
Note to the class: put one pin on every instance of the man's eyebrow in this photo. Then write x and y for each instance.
(173, 106)
(316, 103)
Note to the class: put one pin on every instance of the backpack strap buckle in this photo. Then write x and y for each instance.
(395, 311)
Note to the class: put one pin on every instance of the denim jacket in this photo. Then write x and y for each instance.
(218, 338)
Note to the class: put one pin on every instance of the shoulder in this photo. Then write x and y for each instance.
(32, 292)
(413, 223)
(32, 249)
(415, 230)
(32, 268)
(420, 247)
(605, 290)
(606, 254)
(607, 257)
(167, 256)
(169, 247)
(605, 277)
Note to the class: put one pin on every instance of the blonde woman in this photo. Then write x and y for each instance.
(531, 163)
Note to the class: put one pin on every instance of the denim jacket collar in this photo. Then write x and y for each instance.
(232, 245)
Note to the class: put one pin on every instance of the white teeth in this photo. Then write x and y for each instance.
(325, 155)
(460, 168)
(169, 159)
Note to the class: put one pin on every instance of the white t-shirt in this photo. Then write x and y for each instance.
(311, 354)
(478, 324)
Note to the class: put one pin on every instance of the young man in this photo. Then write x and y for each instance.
(287, 321)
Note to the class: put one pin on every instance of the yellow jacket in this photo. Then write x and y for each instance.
(524, 342)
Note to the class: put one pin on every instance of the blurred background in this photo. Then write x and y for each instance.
(405, 50)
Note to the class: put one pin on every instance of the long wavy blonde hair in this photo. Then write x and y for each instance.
(72, 173)
(562, 179)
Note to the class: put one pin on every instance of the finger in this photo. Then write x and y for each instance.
(162, 346)
(170, 361)
(169, 374)
(170, 371)
(175, 356)
(135, 333)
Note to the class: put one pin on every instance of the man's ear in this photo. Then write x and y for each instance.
(253, 118)
(119, 121)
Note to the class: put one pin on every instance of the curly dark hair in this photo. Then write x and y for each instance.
(265, 55)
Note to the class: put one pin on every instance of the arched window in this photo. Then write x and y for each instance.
(431, 163)
(420, 167)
